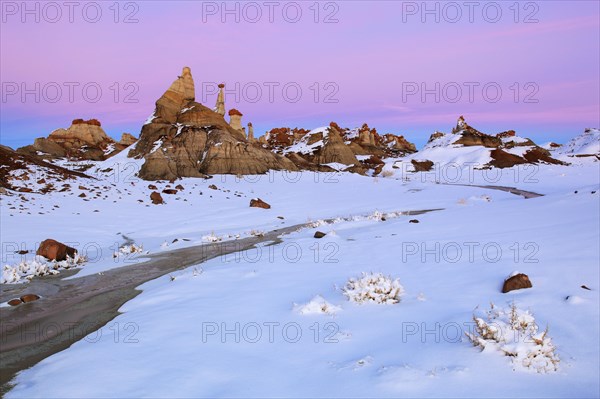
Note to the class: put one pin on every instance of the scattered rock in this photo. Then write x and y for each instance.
(156, 198)
(319, 234)
(413, 221)
(213, 187)
(170, 191)
(152, 187)
(258, 203)
(516, 282)
(586, 288)
(29, 298)
(54, 250)
(15, 302)
(82, 195)
(422, 166)
(22, 252)
(179, 187)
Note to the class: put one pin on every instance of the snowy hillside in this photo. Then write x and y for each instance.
(262, 321)
(588, 143)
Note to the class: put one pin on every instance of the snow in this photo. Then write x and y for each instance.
(38, 266)
(265, 321)
(150, 118)
(585, 144)
(302, 146)
(337, 166)
(317, 305)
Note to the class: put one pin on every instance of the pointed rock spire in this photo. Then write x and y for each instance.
(220, 106)
(250, 132)
(180, 93)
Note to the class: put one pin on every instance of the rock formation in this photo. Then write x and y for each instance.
(235, 119)
(251, 133)
(127, 139)
(220, 106)
(84, 139)
(464, 135)
(17, 167)
(186, 139)
(312, 150)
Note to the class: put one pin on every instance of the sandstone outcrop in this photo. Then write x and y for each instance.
(84, 139)
(220, 106)
(17, 167)
(186, 139)
(127, 139)
(313, 150)
(235, 119)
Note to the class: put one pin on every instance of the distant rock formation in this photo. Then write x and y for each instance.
(184, 138)
(463, 135)
(84, 139)
(313, 150)
(17, 167)
(585, 145)
(127, 139)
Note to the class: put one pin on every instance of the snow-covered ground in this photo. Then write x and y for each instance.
(277, 320)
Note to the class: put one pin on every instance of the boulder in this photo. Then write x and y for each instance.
(15, 302)
(516, 282)
(170, 191)
(29, 298)
(413, 221)
(156, 198)
(422, 166)
(258, 203)
(319, 234)
(54, 250)
(187, 139)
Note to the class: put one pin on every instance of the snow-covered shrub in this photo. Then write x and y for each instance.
(38, 266)
(212, 237)
(514, 332)
(317, 305)
(373, 288)
(128, 249)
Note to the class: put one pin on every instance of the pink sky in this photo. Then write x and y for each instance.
(367, 57)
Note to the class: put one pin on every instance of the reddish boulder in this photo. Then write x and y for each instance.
(516, 282)
(29, 298)
(422, 166)
(171, 191)
(258, 203)
(54, 250)
(15, 302)
(156, 198)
